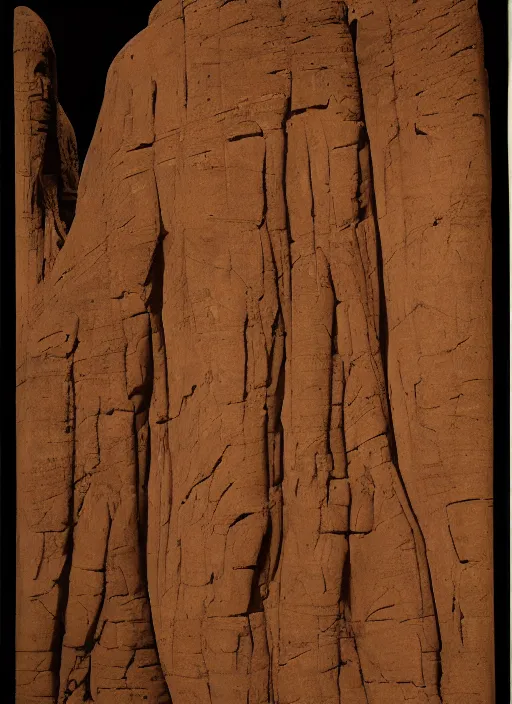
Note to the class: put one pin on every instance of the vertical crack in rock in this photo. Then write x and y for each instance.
(427, 593)
(416, 123)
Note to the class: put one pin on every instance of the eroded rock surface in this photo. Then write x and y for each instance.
(254, 405)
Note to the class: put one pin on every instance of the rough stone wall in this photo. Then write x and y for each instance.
(426, 110)
(254, 385)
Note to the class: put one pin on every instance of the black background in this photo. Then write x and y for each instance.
(86, 38)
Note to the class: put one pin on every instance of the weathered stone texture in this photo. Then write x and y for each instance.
(254, 403)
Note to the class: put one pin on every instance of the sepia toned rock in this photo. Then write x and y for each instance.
(254, 396)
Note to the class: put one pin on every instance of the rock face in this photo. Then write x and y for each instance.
(254, 402)
(46, 162)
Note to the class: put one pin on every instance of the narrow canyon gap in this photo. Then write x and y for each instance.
(254, 358)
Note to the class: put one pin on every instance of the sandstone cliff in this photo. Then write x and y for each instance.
(254, 403)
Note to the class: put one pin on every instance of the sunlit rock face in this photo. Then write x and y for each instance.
(254, 402)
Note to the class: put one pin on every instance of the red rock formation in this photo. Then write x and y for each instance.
(426, 110)
(215, 500)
